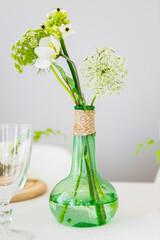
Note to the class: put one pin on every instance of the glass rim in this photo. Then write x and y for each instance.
(87, 107)
(17, 124)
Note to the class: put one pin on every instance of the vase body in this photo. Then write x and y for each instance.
(83, 199)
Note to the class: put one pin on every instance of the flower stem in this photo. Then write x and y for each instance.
(76, 72)
(99, 187)
(55, 73)
(79, 177)
(64, 209)
(100, 211)
(72, 67)
(93, 100)
(61, 216)
(69, 64)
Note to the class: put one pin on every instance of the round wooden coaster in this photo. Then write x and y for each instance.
(32, 189)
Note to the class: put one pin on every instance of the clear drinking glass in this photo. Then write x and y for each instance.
(15, 151)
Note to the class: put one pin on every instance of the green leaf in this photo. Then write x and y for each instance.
(139, 146)
(74, 90)
(146, 146)
(157, 153)
(38, 134)
(49, 130)
(151, 142)
(67, 79)
(137, 153)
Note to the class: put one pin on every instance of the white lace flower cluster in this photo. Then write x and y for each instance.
(104, 72)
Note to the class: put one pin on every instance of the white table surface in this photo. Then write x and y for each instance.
(138, 217)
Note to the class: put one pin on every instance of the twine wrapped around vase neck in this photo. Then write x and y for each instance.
(84, 122)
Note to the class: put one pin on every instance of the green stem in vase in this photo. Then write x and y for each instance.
(99, 187)
(89, 179)
(79, 177)
(100, 211)
(61, 216)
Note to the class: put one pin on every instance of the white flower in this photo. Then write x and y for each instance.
(48, 50)
(66, 30)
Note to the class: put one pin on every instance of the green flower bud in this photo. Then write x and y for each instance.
(122, 75)
(49, 15)
(55, 28)
(30, 34)
(33, 43)
(48, 24)
(126, 71)
(13, 47)
(17, 66)
(65, 15)
(21, 41)
(121, 70)
(66, 22)
(13, 56)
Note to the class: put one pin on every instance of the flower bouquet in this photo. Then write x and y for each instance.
(83, 199)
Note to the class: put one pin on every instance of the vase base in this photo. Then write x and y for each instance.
(84, 216)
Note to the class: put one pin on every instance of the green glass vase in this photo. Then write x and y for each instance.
(83, 199)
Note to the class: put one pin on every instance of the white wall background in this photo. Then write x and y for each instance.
(130, 27)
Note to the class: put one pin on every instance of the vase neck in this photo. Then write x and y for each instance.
(84, 122)
(83, 154)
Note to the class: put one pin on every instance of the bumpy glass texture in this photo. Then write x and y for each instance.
(83, 199)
